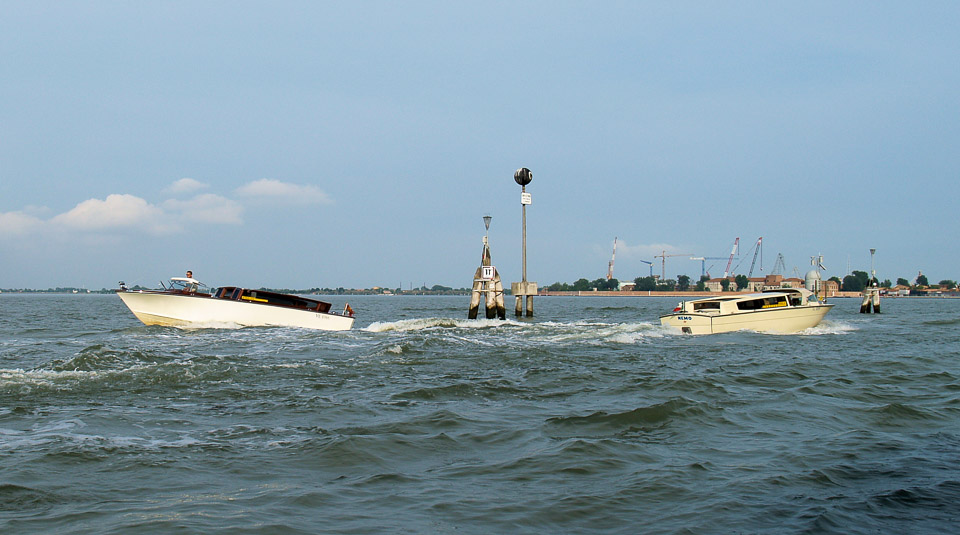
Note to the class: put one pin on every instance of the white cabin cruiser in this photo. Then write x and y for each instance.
(188, 302)
(786, 310)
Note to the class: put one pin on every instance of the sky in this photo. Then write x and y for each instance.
(359, 144)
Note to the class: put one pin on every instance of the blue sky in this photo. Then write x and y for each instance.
(358, 144)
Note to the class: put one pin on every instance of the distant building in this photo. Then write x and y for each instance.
(769, 282)
(830, 288)
(715, 285)
(772, 282)
(899, 290)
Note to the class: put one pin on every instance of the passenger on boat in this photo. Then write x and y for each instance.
(191, 286)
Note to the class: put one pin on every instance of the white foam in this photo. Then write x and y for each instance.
(210, 325)
(825, 327)
(20, 376)
(830, 327)
(420, 324)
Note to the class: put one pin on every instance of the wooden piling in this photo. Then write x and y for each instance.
(524, 289)
(488, 288)
(871, 299)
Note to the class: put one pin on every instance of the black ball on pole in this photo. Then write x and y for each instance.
(523, 176)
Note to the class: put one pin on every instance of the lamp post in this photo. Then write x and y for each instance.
(486, 224)
(522, 289)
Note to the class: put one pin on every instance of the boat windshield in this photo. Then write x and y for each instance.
(185, 284)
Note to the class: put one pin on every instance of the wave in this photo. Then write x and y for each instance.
(68, 438)
(906, 412)
(510, 331)
(640, 419)
(953, 321)
(18, 498)
(421, 324)
(825, 327)
(209, 325)
(595, 333)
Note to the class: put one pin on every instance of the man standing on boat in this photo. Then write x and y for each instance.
(191, 285)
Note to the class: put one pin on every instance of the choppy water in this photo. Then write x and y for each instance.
(589, 419)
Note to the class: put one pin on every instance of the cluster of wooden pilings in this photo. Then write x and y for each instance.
(871, 299)
(871, 294)
(487, 288)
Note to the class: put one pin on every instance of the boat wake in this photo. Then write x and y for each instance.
(825, 327)
(549, 332)
(420, 324)
(596, 333)
(210, 325)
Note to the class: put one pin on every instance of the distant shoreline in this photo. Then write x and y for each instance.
(654, 293)
(466, 293)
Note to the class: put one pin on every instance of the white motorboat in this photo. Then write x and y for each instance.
(786, 310)
(187, 302)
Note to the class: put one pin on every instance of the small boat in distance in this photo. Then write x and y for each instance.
(187, 302)
(786, 310)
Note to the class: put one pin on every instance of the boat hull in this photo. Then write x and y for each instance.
(782, 320)
(156, 308)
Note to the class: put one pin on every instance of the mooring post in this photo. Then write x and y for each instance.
(486, 284)
(871, 294)
(522, 289)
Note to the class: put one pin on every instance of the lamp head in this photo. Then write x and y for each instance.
(523, 176)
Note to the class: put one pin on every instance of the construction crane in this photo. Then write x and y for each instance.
(649, 264)
(779, 266)
(736, 245)
(663, 267)
(760, 251)
(703, 259)
(703, 263)
(757, 249)
(612, 258)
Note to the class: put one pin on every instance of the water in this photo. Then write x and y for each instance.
(589, 419)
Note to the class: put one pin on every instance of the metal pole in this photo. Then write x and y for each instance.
(523, 176)
(523, 189)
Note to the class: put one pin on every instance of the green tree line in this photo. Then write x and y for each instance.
(854, 282)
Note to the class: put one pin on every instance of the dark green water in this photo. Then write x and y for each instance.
(589, 419)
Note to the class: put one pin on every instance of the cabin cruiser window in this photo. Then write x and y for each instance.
(707, 305)
(762, 303)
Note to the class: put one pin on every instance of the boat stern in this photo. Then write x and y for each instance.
(688, 323)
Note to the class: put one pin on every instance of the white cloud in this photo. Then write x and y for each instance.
(125, 212)
(116, 212)
(186, 185)
(18, 223)
(207, 208)
(267, 188)
(36, 211)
